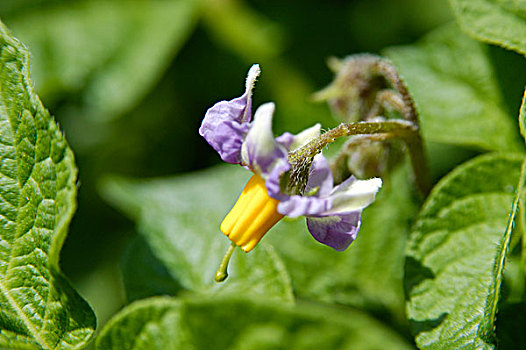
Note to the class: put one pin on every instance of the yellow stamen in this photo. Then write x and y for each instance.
(254, 213)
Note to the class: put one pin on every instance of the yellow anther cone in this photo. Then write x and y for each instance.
(252, 216)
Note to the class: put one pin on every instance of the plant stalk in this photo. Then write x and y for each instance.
(404, 129)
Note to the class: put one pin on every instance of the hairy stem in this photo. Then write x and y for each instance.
(405, 130)
(387, 70)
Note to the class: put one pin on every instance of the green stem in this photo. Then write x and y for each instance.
(222, 271)
(403, 129)
(385, 68)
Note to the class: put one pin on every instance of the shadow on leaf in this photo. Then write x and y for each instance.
(418, 327)
(415, 273)
(144, 274)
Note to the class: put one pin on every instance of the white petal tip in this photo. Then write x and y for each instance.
(367, 186)
(305, 136)
(266, 109)
(252, 75)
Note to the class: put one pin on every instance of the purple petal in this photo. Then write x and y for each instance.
(295, 206)
(273, 180)
(222, 133)
(337, 231)
(320, 176)
(226, 123)
(286, 140)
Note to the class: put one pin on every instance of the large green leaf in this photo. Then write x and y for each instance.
(111, 52)
(164, 323)
(457, 250)
(453, 83)
(180, 217)
(37, 200)
(500, 22)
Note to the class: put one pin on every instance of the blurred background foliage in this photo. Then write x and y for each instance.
(129, 82)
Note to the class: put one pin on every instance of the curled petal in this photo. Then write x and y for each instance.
(352, 195)
(337, 231)
(227, 122)
(224, 135)
(252, 75)
(273, 182)
(260, 151)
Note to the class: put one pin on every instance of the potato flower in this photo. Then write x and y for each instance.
(333, 212)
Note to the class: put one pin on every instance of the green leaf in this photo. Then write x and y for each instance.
(40, 310)
(369, 273)
(144, 275)
(179, 218)
(457, 250)
(499, 22)
(112, 52)
(164, 323)
(453, 83)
